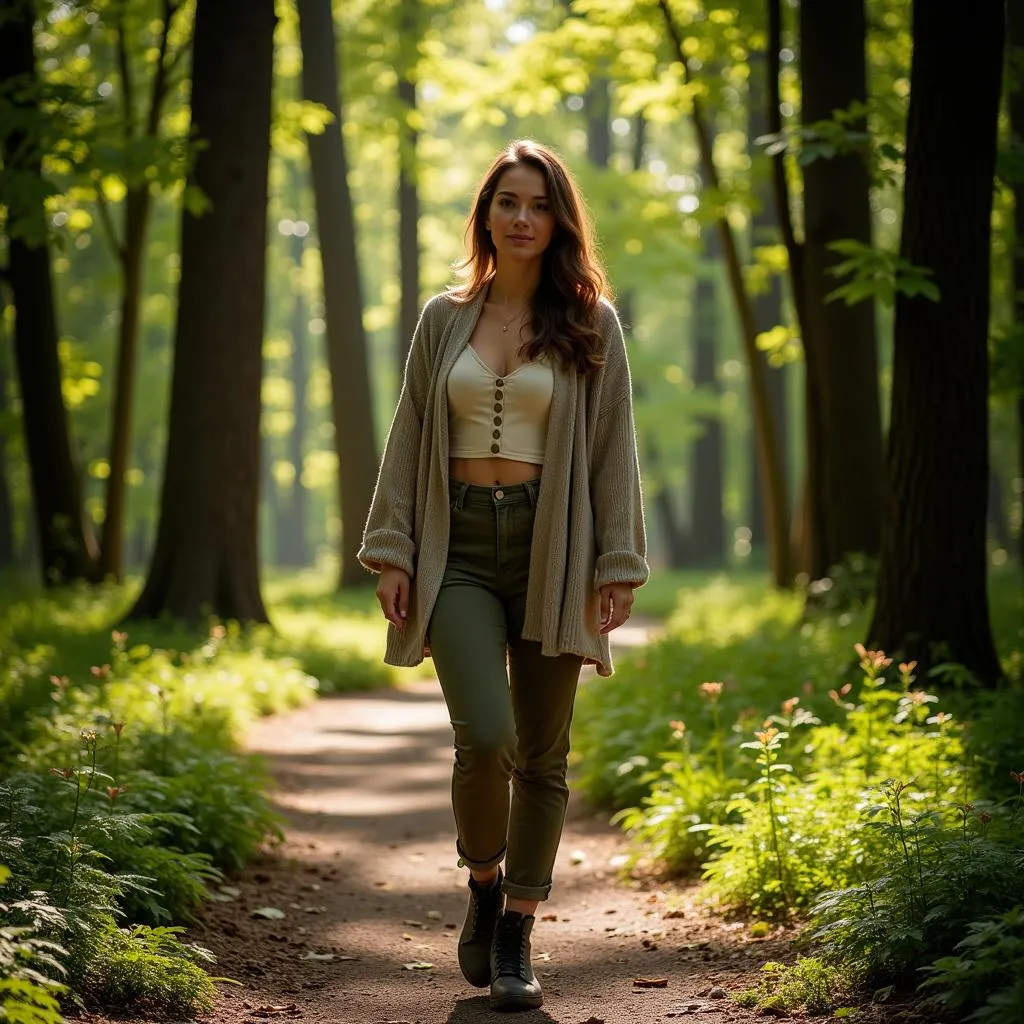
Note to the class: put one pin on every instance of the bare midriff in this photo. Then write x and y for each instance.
(490, 472)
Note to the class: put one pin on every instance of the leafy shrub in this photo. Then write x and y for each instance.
(809, 986)
(29, 967)
(987, 972)
(148, 969)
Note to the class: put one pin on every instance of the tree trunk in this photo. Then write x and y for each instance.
(66, 546)
(768, 305)
(293, 517)
(7, 548)
(111, 557)
(408, 190)
(932, 604)
(1015, 27)
(343, 301)
(707, 530)
(776, 498)
(836, 206)
(206, 558)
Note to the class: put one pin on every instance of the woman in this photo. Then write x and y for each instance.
(508, 532)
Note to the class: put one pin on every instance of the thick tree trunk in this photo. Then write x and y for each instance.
(346, 339)
(7, 550)
(67, 550)
(836, 206)
(768, 305)
(707, 531)
(408, 186)
(932, 602)
(206, 558)
(1015, 27)
(293, 516)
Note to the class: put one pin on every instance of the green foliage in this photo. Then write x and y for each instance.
(29, 967)
(987, 972)
(808, 986)
(149, 970)
(878, 274)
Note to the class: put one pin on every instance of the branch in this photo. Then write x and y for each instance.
(127, 85)
(108, 225)
(160, 78)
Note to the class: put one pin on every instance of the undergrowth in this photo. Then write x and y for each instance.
(828, 787)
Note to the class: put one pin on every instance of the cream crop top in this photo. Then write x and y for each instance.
(498, 417)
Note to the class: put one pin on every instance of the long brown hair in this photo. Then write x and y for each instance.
(572, 280)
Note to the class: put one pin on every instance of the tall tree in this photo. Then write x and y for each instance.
(67, 549)
(767, 304)
(707, 545)
(409, 31)
(932, 603)
(766, 439)
(1015, 25)
(343, 298)
(206, 550)
(836, 206)
(6, 504)
(129, 246)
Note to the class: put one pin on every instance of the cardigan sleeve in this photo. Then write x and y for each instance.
(387, 537)
(615, 472)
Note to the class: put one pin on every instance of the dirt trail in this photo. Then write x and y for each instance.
(368, 881)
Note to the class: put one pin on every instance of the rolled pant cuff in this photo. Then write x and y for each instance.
(480, 865)
(525, 892)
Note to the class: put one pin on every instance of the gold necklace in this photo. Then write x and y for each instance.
(519, 312)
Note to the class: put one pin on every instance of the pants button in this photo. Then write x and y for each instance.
(499, 494)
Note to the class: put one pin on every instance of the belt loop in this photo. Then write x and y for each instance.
(531, 492)
(461, 497)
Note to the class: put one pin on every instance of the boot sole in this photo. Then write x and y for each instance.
(516, 1002)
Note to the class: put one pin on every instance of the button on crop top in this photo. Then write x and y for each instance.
(498, 417)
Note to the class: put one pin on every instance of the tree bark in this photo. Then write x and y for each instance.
(932, 604)
(776, 499)
(7, 547)
(707, 531)
(343, 301)
(131, 257)
(206, 558)
(836, 206)
(1015, 28)
(66, 546)
(767, 305)
(408, 187)
(293, 516)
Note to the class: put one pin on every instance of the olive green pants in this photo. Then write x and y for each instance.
(510, 706)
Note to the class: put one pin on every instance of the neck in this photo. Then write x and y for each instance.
(514, 284)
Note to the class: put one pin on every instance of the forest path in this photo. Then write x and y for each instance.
(367, 877)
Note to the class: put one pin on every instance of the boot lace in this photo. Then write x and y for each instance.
(509, 952)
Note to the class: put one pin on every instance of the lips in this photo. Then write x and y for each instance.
(520, 238)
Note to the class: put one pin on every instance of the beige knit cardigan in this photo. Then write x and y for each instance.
(589, 524)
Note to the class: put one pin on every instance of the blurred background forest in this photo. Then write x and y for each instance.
(744, 163)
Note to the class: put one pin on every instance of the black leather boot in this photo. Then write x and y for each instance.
(513, 985)
(478, 932)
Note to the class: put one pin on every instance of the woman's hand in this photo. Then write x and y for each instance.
(393, 594)
(616, 601)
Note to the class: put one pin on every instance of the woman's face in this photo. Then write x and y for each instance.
(519, 218)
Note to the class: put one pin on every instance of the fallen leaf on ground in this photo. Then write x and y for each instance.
(273, 1011)
(417, 965)
(550, 917)
(317, 956)
(651, 982)
(577, 857)
(348, 958)
(674, 913)
(434, 915)
(413, 924)
(270, 913)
